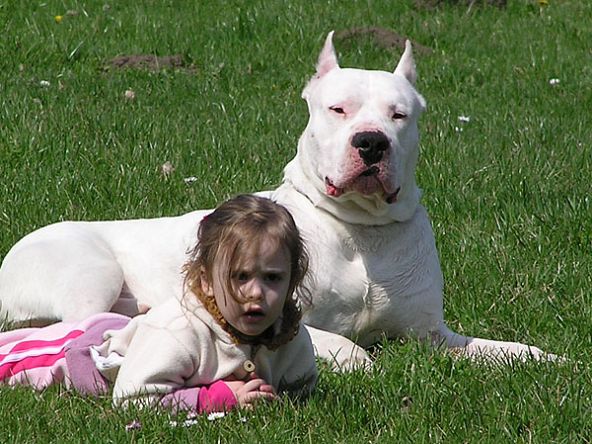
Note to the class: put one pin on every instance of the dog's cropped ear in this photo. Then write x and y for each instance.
(406, 66)
(327, 58)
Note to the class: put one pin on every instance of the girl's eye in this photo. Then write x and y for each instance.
(273, 277)
(242, 276)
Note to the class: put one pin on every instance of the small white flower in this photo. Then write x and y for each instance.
(134, 425)
(186, 423)
(130, 94)
(45, 83)
(458, 129)
(190, 180)
(191, 420)
(216, 415)
(464, 119)
(554, 82)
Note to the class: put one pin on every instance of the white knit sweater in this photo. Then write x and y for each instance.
(178, 345)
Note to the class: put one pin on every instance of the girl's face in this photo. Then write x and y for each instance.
(260, 283)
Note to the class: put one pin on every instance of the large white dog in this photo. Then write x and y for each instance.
(351, 189)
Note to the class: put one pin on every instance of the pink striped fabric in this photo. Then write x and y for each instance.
(33, 354)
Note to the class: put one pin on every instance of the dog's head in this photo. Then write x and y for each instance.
(358, 154)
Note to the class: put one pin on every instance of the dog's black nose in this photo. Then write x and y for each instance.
(371, 145)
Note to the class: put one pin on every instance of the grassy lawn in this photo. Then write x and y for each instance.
(507, 187)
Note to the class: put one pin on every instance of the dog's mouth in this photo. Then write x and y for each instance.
(367, 182)
(331, 189)
(392, 198)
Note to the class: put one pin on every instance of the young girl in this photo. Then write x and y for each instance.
(232, 339)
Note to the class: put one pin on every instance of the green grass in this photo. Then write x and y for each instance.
(509, 195)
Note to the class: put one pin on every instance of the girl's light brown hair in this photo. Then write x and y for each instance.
(229, 236)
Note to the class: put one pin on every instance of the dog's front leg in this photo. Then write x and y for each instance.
(488, 349)
(339, 352)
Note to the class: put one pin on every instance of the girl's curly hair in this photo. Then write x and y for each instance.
(230, 235)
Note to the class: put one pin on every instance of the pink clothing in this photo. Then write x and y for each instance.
(37, 362)
(40, 357)
(215, 397)
(60, 354)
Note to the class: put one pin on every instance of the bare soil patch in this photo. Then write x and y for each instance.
(382, 37)
(469, 3)
(150, 62)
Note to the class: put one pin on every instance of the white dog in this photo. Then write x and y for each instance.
(351, 189)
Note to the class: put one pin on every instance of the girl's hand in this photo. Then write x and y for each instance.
(247, 393)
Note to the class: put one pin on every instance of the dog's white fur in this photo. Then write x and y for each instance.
(374, 262)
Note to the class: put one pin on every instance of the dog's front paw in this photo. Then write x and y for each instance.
(539, 355)
(340, 353)
(348, 358)
(508, 351)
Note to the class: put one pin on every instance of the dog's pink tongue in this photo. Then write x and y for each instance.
(332, 190)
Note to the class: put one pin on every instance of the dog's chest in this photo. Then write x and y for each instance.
(374, 264)
(371, 280)
(364, 240)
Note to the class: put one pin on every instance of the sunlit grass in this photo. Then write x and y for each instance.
(508, 190)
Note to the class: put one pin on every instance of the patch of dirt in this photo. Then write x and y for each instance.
(150, 62)
(469, 3)
(382, 37)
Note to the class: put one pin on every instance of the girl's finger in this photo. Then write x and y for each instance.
(267, 388)
(254, 384)
(252, 397)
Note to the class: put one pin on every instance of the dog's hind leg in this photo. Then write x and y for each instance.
(488, 349)
(51, 278)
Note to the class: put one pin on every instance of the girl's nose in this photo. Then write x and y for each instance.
(254, 290)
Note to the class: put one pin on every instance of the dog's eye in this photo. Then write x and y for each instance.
(337, 109)
(397, 115)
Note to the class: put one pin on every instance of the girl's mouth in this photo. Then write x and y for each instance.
(254, 315)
